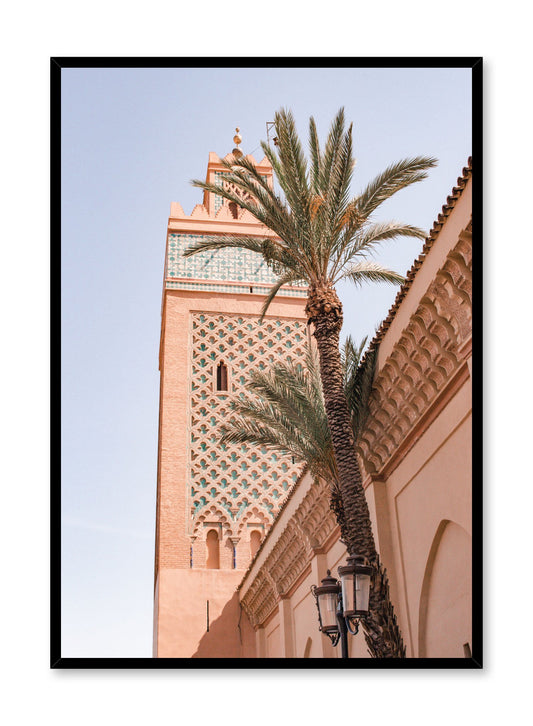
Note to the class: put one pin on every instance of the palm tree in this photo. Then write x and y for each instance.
(323, 237)
(285, 412)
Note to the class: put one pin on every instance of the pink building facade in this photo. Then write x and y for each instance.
(416, 456)
(240, 537)
(214, 503)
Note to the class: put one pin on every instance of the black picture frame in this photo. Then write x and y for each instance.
(57, 661)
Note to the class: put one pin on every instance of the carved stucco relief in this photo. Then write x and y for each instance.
(307, 530)
(428, 353)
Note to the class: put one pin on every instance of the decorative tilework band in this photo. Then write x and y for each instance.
(216, 266)
(221, 287)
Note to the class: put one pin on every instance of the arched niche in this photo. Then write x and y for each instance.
(231, 552)
(255, 541)
(213, 550)
(257, 516)
(445, 612)
(222, 377)
(211, 514)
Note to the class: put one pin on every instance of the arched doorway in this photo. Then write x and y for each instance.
(445, 614)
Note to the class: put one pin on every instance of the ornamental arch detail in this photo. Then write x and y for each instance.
(444, 621)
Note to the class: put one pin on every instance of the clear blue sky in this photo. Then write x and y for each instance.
(131, 142)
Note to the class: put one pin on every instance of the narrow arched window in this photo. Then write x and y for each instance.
(255, 541)
(234, 209)
(222, 377)
(213, 556)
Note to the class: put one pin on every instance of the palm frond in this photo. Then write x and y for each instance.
(367, 271)
(381, 231)
(395, 177)
(351, 354)
(358, 378)
(291, 392)
(293, 165)
(341, 177)
(285, 279)
(243, 173)
(246, 430)
(266, 208)
(284, 409)
(331, 150)
(366, 238)
(223, 241)
(285, 412)
(316, 160)
(361, 390)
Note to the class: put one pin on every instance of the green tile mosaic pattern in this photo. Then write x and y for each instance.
(231, 484)
(230, 264)
(217, 266)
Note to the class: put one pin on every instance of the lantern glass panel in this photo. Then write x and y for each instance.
(328, 609)
(362, 592)
(347, 592)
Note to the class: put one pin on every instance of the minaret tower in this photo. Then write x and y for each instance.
(215, 503)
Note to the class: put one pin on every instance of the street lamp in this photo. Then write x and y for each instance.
(355, 584)
(327, 601)
(342, 604)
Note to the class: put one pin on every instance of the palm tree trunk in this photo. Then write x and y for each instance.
(324, 310)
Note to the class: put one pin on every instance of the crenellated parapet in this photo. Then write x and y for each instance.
(223, 213)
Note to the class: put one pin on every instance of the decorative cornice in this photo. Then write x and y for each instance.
(307, 530)
(260, 600)
(314, 516)
(424, 360)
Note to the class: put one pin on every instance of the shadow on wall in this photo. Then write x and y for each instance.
(229, 636)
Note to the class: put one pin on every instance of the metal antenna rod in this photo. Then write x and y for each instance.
(270, 125)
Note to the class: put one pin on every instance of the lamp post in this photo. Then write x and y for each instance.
(341, 605)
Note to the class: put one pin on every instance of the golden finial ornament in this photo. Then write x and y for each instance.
(237, 139)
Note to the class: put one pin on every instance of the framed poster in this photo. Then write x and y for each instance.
(237, 468)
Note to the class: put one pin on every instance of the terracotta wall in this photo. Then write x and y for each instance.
(173, 542)
(416, 457)
(190, 601)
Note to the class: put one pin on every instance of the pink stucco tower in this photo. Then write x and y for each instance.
(215, 503)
